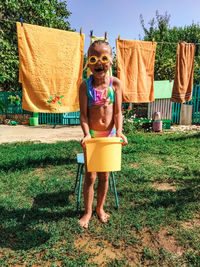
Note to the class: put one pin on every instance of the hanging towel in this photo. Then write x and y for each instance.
(92, 40)
(183, 81)
(135, 69)
(51, 65)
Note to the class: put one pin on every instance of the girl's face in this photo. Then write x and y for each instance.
(100, 60)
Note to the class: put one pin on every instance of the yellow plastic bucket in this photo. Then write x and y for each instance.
(103, 154)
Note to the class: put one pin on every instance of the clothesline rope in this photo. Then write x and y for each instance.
(12, 21)
(174, 43)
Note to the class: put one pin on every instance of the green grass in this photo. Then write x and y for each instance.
(157, 224)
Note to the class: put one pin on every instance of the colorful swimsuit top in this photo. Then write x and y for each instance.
(99, 97)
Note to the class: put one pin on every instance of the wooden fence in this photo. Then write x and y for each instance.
(164, 106)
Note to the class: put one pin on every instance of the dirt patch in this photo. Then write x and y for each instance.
(154, 242)
(164, 240)
(101, 251)
(134, 165)
(149, 158)
(42, 133)
(164, 187)
(159, 240)
(190, 225)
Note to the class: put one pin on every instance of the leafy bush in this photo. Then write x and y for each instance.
(131, 124)
(2, 106)
(14, 99)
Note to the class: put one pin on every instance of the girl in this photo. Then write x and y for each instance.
(100, 98)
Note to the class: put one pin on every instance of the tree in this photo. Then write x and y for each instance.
(167, 39)
(49, 13)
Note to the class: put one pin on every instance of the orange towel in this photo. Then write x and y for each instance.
(135, 69)
(51, 65)
(183, 81)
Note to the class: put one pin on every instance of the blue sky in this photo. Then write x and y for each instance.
(121, 17)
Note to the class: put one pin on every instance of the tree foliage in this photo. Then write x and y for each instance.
(167, 39)
(49, 13)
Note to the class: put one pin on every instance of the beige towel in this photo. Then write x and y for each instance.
(135, 69)
(183, 81)
(51, 65)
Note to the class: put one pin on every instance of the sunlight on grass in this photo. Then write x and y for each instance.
(157, 222)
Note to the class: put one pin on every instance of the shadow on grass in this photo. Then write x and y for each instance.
(26, 163)
(29, 226)
(185, 137)
(20, 156)
(176, 204)
(176, 201)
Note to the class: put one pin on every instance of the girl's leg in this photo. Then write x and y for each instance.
(102, 189)
(88, 191)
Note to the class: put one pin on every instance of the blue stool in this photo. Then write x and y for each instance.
(80, 161)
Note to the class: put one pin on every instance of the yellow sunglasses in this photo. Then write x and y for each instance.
(94, 59)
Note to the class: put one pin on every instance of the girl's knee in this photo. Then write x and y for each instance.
(103, 176)
(90, 178)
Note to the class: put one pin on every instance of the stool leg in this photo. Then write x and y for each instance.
(115, 189)
(77, 174)
(110, 184)
(79, 188)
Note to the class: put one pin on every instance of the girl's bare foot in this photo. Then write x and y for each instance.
(84, 221)
(102, 215)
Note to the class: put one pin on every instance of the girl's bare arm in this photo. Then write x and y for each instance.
(118, 119)
(83, 102)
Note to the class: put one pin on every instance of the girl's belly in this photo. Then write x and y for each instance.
(101, 117)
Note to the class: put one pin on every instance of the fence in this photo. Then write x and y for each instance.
(71, 118)
(12, 108)
(168, 110)
(171, 110)
(196, 107)
(164, 106)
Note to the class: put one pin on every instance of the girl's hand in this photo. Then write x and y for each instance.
(84, 139)
(124, 138)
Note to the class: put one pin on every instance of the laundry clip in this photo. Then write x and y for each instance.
(21, 19)
(105, 36)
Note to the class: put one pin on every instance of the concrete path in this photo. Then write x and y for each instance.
(41, 133)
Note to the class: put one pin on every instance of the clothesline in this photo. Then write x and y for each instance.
(173, 43)
(12, 21)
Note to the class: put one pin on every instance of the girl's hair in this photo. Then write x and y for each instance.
(99, 42)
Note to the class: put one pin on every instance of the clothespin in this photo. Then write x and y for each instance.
(91, 33)
(118, 37)
(179, 41)
(153, 40)
(105, 36)
(21, 19)
(80, 30)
